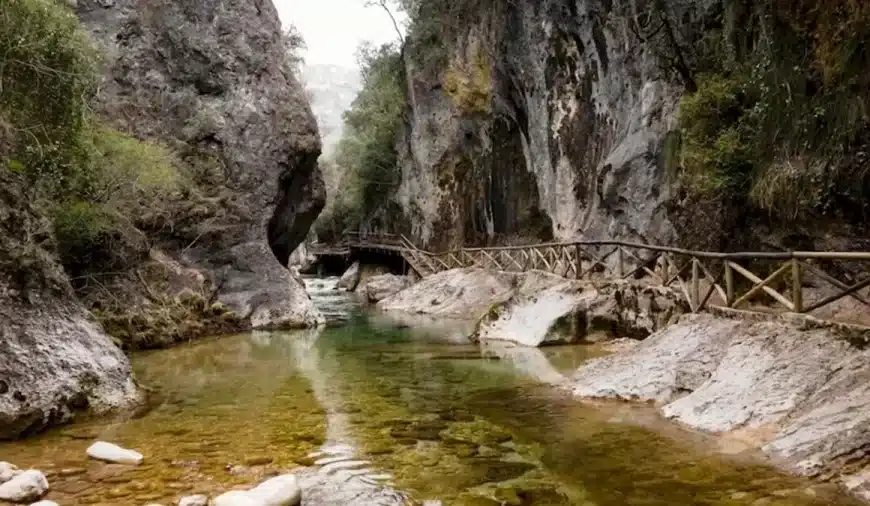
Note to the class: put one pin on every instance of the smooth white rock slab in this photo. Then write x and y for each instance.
(25, 486)
(109, 452)
(45, 503)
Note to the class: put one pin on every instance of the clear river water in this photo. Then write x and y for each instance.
(466, 425)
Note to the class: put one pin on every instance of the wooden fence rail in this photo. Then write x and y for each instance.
(765, 281)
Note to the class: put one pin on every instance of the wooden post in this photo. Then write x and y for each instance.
(620, 263)
(729, 284)
(579, 271)
(796, 286)
(696, 289)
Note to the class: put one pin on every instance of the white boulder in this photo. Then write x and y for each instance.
(235, 498)
(45, 503)
(109, 452)
(7, 471)
(281, 490)
(194, 500)
(24, 487)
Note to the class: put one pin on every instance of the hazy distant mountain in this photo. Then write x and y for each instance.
(332, 89)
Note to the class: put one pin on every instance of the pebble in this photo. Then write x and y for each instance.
(194, 500)
(109, 452)
(71, 471)
(25, 486)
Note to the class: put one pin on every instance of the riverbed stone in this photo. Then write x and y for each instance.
(194, 500)
(235, 498)
(25, 486)
(109, 452)
(45, 503)
(281, 490)
(8, 471)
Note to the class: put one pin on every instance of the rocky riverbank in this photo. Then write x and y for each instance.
(793, 388)
(798, 393)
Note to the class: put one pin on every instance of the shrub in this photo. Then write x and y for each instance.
(46, 80)
(786, 132)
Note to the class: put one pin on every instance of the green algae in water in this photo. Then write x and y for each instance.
(444, 424)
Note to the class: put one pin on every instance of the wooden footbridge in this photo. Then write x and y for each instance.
(805, 282)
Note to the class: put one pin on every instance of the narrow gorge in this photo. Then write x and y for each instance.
(554, 252)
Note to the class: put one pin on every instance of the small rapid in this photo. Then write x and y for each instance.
(336, 305)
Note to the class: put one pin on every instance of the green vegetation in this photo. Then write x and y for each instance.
(781, 121)
(366, 156)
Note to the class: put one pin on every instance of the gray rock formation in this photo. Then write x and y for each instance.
(54, 361)
(799, 394)
(380, 287)
(457, 294)
(213, 79)
(547, 118)
(573, 311)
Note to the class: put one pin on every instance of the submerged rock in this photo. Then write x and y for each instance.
(109, 452)
(380, 287)
(802, 395)
(194, 500)
(24, 487)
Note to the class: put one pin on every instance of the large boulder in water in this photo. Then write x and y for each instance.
(350, 278)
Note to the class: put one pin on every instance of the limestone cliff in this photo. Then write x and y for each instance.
(559, 119)
(213, 79)
(544, 119)
(54, 360)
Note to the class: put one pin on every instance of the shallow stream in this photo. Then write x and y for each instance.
(459, 423)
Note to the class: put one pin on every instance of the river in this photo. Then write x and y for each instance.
(466, 425)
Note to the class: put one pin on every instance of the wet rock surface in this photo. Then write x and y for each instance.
(798, 393)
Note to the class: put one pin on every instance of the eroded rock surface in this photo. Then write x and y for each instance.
(214, 81)
(458, 293)
(380, 287)
(572, 311)
(801, 394)
(350, 278)
(54, 360)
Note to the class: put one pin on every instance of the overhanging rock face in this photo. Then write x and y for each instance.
(214, 81)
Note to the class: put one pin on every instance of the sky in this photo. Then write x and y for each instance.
(333, 29)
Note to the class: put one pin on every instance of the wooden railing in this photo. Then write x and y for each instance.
(796, 281)
(761, 281)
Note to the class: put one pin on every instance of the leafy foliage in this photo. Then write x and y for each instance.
(366, 153)
(46, 77)
(781, 121)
